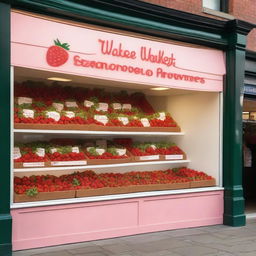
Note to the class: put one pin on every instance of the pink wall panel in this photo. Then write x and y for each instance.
(58, 221)
(53, 225)
(204, 208)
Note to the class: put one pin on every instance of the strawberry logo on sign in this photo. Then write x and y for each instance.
(57, 54)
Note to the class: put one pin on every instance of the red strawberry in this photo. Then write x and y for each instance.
(57, 54)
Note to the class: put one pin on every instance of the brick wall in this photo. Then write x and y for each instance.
(241, 9)
(246, 10)
(251, 41)
(192, 6)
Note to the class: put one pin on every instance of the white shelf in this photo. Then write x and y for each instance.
(114, 197)
(82, 167)
(249, 121)
(250, 215)
(96, 132)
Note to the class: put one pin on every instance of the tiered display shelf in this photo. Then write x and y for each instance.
(47, 169)
(95, 128)
(29, 132)
(74, 195)
(103, 132)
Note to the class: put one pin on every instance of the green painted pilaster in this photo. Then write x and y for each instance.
(5, 217)
(232, 134)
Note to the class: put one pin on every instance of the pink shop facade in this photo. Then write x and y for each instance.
(178, 79)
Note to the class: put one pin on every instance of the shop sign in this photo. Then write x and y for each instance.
(59, 47)
(250, 89)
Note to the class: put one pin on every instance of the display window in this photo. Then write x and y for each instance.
(100, 115)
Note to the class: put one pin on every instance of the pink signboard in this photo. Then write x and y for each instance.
(54, 46)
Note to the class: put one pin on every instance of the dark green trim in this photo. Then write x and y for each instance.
(5, 234)
(250, 73)
(138, 16)
(232, 133)
(251, 55)
(6, 250)
(250, 65)
(5, 217)
(238, 27)
(135, 16)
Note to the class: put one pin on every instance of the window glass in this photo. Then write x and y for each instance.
(212, 4)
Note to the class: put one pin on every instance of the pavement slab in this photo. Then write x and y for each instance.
(216, 240)
(93, 249)
(246, 254)
(116, 249)
(58, 253)
(195, 250)
(159, 253)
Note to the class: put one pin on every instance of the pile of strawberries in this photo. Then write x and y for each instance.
(29, 156)
(105, 155)
(68, 156)
(91, 180)
(43, 151)
(103, 149)
(29, 152)
(150, 148)
(66, 149)
(36, 103)
(191, 174)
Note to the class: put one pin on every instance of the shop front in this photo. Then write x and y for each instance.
(116, 130)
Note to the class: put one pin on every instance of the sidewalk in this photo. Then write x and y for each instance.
(206, 241)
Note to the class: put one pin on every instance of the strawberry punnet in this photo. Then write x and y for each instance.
(57, 54)
(154, 148)
(30, 152)
(64, 153)
(108, 153)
